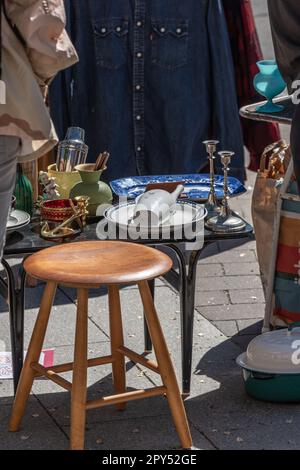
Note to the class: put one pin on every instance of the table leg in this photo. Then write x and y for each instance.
(187, 304)
(3, 289)
(19, 323)
(186, 328)
(148, 342)
(16, 296)
(188, 308)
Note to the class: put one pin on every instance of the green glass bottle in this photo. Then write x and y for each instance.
(23, 192)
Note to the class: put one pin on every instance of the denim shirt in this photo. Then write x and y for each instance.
(155, 79)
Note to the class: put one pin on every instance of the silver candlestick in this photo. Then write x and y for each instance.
(226, 221)
(212, 205)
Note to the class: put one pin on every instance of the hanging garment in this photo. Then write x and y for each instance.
(34, 48)
(246, 53)
(285, 21)
(154, 80)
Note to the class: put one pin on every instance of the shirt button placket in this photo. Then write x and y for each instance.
(138, 83)
(46, 7)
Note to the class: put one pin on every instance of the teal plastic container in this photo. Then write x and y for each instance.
(277, 388)
(271, 365)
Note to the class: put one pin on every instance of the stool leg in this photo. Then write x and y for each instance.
(33, 355)
(116, 339)
(79, 383)
(166, 367)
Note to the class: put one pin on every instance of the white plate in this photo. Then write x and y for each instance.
(16, 220)
(186, 217)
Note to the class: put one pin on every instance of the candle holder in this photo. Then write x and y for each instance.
(226, 221)
(212, 206)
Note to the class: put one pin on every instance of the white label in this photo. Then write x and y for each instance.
(2, 92)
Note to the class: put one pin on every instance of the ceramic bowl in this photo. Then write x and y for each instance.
(57, 211)
(88, 174)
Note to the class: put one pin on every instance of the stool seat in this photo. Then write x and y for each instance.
(98, 262)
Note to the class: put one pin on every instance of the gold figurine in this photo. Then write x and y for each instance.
(64, 229)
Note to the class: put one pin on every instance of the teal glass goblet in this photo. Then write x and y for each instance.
(269, 83)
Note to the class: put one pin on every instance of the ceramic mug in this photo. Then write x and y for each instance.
(155, 207)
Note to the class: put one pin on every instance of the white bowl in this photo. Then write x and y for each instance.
(186, 222)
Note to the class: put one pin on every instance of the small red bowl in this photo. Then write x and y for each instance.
(58, 210)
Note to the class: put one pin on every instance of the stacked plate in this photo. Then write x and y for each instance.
(17, 220)
(186, 222)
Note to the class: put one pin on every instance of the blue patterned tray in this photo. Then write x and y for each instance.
(196, 185)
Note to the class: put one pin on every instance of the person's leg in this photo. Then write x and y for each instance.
(9, 147)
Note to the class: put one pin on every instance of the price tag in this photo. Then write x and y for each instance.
(2, 92)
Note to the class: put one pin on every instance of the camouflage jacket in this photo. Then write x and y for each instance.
(30, 60)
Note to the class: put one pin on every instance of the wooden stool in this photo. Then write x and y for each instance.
(87, 265)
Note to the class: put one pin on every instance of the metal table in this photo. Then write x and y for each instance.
(283, 117)
(27, 241)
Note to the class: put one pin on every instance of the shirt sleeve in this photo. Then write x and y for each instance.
(285, 25)
(41, 23)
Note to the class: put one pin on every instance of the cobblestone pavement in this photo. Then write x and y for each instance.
(229, 290)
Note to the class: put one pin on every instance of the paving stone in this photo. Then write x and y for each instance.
(249, 296)
(61, 328)
(242, 340)
(100, 383)
(203, 337)
(229, 283)
(152, 433)
(209, 251)
(228, 327)
(37, 432)
(232, 312)
(234, 425)
(241, 269)
(6, 392)
(216, 386)
(249, 327)
(231, 256)
(204, 298)
(250, 425)
(210, 270)
(241, 244)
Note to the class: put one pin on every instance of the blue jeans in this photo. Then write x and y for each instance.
(9, 147)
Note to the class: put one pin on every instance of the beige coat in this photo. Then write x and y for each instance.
(27, 70)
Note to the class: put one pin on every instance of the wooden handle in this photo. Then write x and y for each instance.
(101, 161)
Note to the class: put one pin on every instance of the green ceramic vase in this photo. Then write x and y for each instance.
(23, 192)
(91, 186)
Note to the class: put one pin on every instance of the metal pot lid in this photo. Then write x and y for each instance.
(273, 352)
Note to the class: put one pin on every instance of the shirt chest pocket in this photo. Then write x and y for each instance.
(111, 42)
(169, 43)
